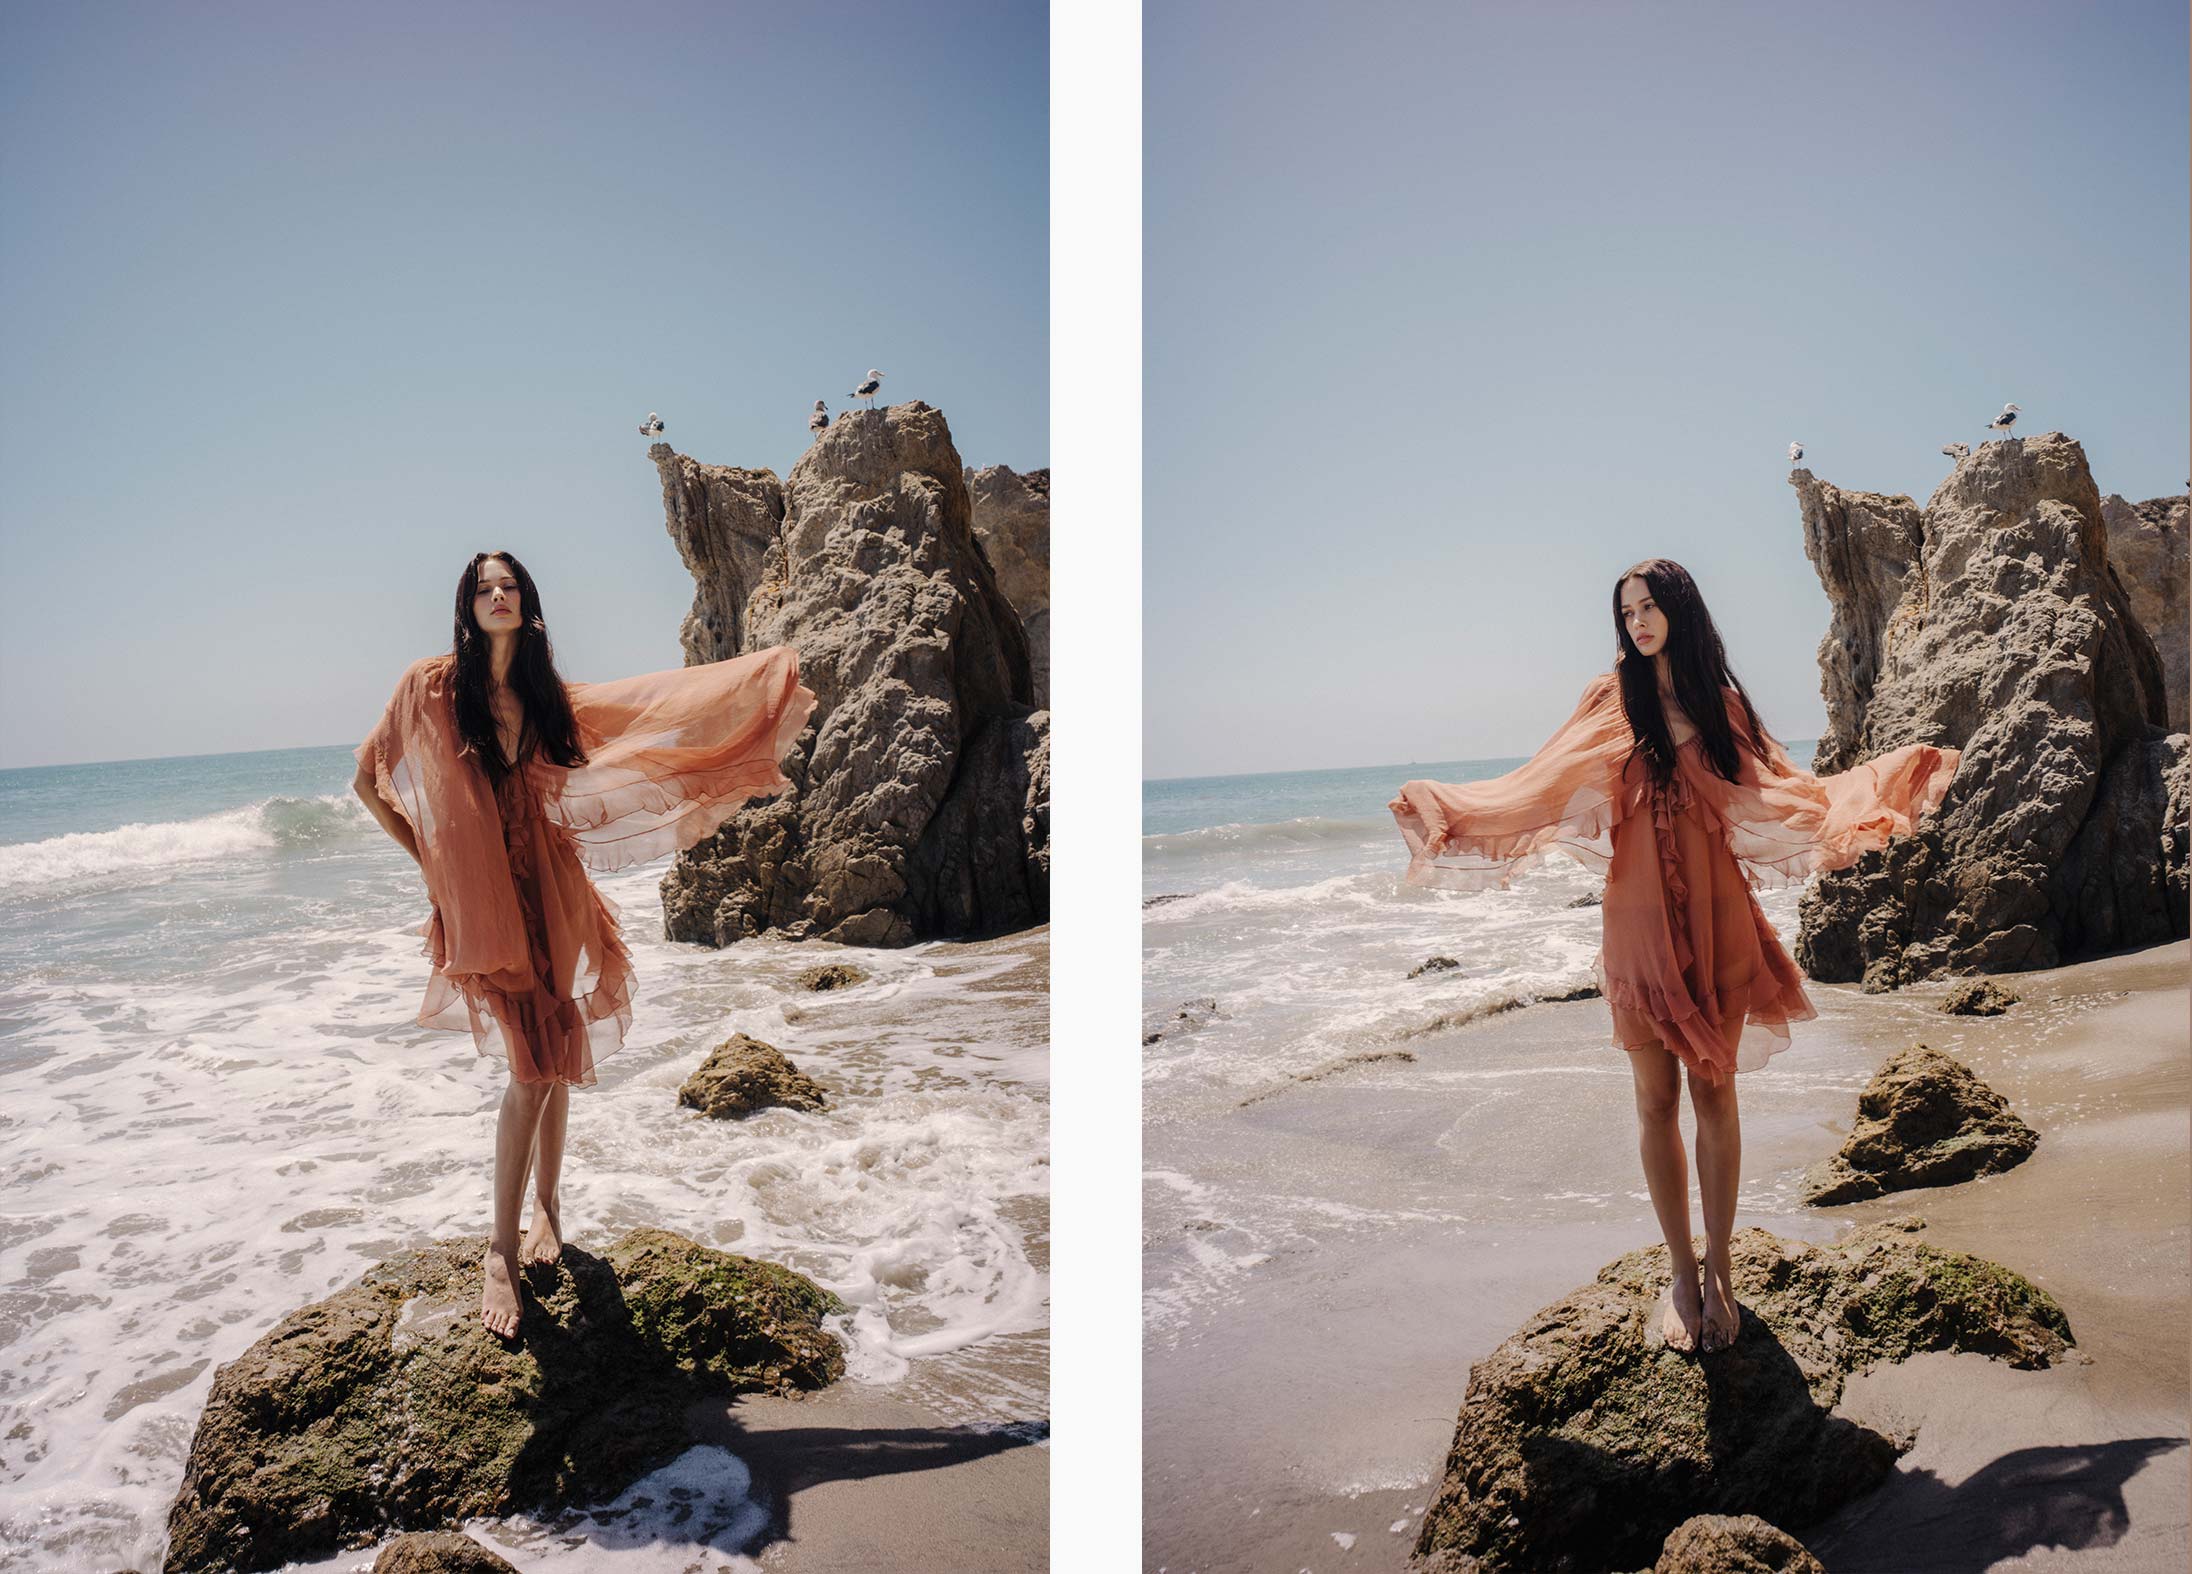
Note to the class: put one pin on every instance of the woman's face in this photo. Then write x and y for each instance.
(1640, 614)
(495, 605)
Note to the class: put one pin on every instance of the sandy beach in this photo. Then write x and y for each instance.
(1299, 1419)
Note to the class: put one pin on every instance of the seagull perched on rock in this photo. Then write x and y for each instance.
(2004, 421)
(820, 420)
(653, 426)
(867, 388)
(1796, 452)
(1957, 451)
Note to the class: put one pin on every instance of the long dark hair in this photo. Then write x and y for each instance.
(548, 718)
(1700, 672)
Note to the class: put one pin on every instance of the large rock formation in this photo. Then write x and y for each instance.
(1991, 621)
(1012, 522)
(389, 1407)
(1584, 1440)
(1923, 1120)
(2146, 545)
(920, 806)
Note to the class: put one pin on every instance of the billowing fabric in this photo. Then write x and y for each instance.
(1688, 959)
(527, 955)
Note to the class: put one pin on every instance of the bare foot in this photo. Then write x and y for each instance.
(1723, 1318)
(499, 1301)
(1683, 1319)
(544, 1242)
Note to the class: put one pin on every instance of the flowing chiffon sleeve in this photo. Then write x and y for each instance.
(1472, 836)
(1785, 824)
(672, 755)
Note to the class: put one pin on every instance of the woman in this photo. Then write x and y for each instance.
(1665, 781)
(507, 785)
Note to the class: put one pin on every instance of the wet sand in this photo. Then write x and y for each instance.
(1300, 1419)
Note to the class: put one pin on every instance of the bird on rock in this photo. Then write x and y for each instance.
(2004, 421)
(652, 426)
(1796, 452)
(867, 388)
(819, 421)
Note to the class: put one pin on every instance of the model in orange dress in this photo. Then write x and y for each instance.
(507, 785)
(1665, 781)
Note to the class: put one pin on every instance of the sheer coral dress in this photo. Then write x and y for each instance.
(527, 955)
(1688, 960)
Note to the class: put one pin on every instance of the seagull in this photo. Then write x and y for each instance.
(1796, 452)
(821, 417)
(653, 428)
(1957, 451)
(867, 389)
(2004, 421)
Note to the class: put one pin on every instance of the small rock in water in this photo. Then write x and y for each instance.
(439, 1552)
(742, 1075)
(1980, 997)
(1589, 899)
(1923, 1120)
(832, 975)
(1435, 964)
(1346, 1539)
(1734, 1544)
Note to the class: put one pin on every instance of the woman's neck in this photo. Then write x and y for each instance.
(502, 651)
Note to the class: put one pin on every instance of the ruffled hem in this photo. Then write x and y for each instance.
(1696, 1030)
(543, 1036)
(1445, 861)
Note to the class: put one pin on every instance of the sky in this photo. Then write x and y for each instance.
(1454, 312)
(300, 306)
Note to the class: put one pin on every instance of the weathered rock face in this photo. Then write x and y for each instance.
(389, 1407)
(439, 1552)
(831, 975)
(924, 734)
(1978, 998)
(1923, 1120)
(1585, 1440)
(1734, 1544)
(2146, 544)
(1991, 621)
(1012, 522)
(742, 1075)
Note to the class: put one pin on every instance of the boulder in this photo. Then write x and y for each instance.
(742, 1075)
(1433, 964)
(439, 1552)
(1012, 523)
(832, 975)
(2146, 546)
(388, 1407)
(1584, 1440)
(1978, 997)
(1991, 621)
(1734, 1544)
(920, 799)
(1923, 1120)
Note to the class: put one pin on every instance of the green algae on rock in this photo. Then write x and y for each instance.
(388, 1406)
(1923, 1120)
(1584, 1440)
(742, 1075)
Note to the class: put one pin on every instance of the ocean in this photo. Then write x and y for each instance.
(217, 1108)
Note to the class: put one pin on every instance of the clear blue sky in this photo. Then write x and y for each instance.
(301, 305)
(1453, 312)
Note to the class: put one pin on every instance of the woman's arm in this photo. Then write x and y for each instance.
(391, 822)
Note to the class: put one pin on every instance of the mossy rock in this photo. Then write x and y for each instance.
(1584, 1441)
(742, 1075)
(389, 1407)
(1734, 1544)
(1980, 997)
(832, 975)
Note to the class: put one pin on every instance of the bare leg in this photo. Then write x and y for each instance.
(1719, 1165)
(522, 1103)
(1659, 1142)
(545, 1241)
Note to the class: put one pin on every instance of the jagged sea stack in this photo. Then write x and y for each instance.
(1012, 522)
(2146, 546)
(1991, 620)
(920, 806)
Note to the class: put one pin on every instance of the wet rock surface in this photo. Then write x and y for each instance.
(1923, 1120)
(1584, 1441)
(742, 1075)
(389, 1407)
